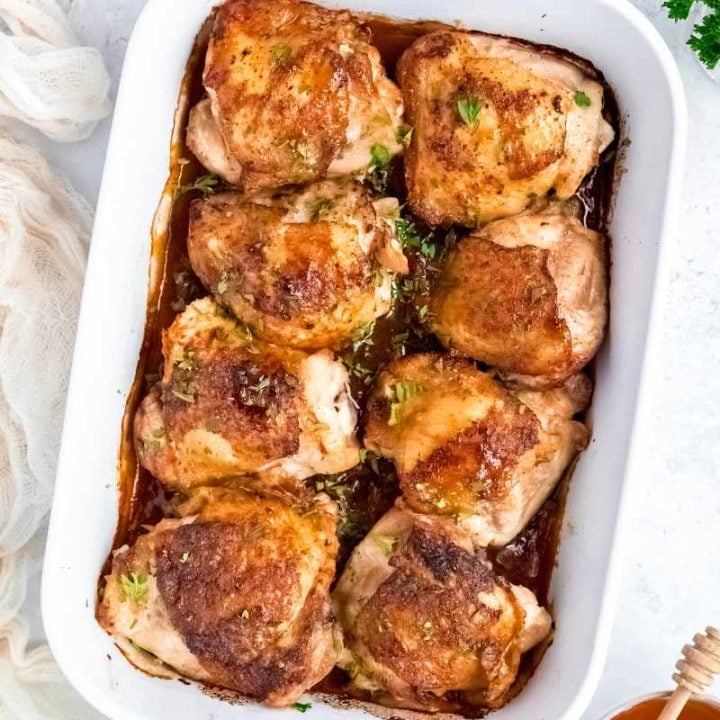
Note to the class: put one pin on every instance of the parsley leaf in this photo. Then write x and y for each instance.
(206, 184)
(705, 40)
(134, 587)
(378, 168)
(678, 9)
(468, 108)
(400, 393)
(409, 237)
(302, 707)
(581, 99)
(404, 134)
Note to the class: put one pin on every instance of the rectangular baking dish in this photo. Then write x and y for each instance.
(626, 48)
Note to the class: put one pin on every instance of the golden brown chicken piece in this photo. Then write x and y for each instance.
(235, 594)
(497, 124)
(527, 295)
(466, 447)
(305, 270)
(229, 405)
(427, 624)
(295, 93)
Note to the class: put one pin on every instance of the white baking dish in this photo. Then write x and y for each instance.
(623, 44)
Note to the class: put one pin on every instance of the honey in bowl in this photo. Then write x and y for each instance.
(650, 708)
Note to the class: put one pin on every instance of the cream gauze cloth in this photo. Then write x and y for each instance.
(50, 83)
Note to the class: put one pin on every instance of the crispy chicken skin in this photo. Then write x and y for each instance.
(527, 295)
(228, 405)
(426, 621)
(466, 447)
(305, 270)
(235, 594)
(497, 124)
(296, 93)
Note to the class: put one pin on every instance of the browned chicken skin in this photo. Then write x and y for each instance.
(466, 447)
(229, 405)
(235, 593)
(497, 124)
(527, 295)
(424, 615)
(305, 270)
(296, 92)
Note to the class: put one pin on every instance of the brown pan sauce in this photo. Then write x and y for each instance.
(367, 491)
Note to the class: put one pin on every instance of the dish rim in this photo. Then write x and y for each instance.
(112, 706)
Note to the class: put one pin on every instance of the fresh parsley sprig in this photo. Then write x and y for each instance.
(705, 38)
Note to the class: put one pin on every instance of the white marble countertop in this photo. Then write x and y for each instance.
(671, 574)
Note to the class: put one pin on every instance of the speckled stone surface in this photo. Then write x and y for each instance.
(670, 584)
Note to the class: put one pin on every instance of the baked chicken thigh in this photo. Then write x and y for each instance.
(466, 447)
(235, 594)
(497, 124)
(527, 295)
(426, 621)
(228, 405)
(296, 92)
(304, 270)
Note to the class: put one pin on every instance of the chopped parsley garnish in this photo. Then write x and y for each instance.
(468, 108)
(263, 383)
(134, 587)
(404, 134)
(678, 9)
(302, 707)
(186, 396)
(705, 38)
(386, 544)
(223, 284)
(409, 237)
(363, 336)
(189, 361)
(400, 393)
(185, 557)
(320, 207)
(581, 99)
(206, 184)
(423, 312)
(280, 54)
(378, 168)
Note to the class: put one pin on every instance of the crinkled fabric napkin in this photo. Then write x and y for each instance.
(50, 83)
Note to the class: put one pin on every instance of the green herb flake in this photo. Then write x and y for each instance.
(404, 135)
(134, 587)
(206, 184)
(362, 336)
(705, 40)
(185, 557)
(386, 544)
(468, 108)
(410, 237)
(263, 383)
(280, 54)
(423, 312)
(189, 361)
(223, 284)
(187, 397)
(302, 707)
(379, 156)
(678, 9)
(400, 393)
(581, 99)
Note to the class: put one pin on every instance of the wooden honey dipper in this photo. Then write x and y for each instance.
(700, 662)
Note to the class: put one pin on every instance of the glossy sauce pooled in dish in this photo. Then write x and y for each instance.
(333, 367)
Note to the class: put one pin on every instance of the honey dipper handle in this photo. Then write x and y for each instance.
(675, 704)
